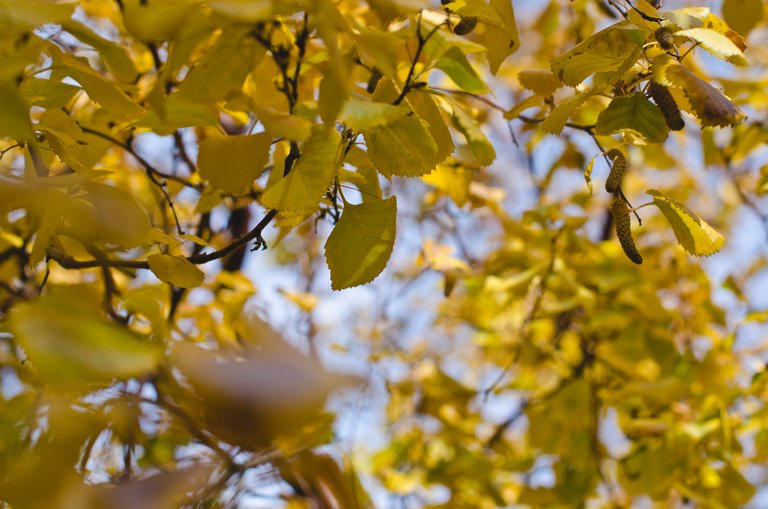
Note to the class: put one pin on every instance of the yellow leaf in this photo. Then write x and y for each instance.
(710, 106)
(361, 243)
(113, 215)
(440, 258)
(14, 117)
(607, 50)
(702, 17)
(378, 49)
(155, 20)
(115, 56)
(743, 15)
(305, 301)
(72, 346)
(252, 11)
(453, 179)
(47, 93)
(234, 162)
(558, 117)
(361, 115)
(716, 43)
(61, 126)
(501, 40)
(479, 144)
(283, 125)
(404, 148)
(695, 235)
(175, 270)
(31, 13)
(526, 104)
(101, 90)
(588, 173)
(426, 108)
(539, 82)
(223, 68)
(310, 177)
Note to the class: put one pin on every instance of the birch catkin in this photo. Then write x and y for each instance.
(666, 103)
(620, 213)
(618, 168)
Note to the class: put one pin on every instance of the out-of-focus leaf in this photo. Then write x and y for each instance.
(234, 162)
(175, 270)
(73, 347)
(743, 15)
(248, 397)
(324, 481)
(160, 491)
(539, 82)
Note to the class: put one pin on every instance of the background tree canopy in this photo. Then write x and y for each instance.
(513, 201)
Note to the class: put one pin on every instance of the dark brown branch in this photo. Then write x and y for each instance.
(68, 262)
(422, 41)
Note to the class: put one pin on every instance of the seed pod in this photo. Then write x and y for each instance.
(618, 169)
(666, 103)
(373, 80)
(665, 38)
(620, 213)
(465, 26)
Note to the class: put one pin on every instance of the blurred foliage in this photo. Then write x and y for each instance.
(432, 151)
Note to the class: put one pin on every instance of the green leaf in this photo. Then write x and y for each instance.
(607, 50)
(693, 233)
(175, 270)
(310, 177)
(72, 346)
(233, 163)
(360, 245)
(361, 115)
(457, 67)
(633, 114)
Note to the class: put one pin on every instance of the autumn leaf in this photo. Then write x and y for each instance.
(693, 233)
(361, 243)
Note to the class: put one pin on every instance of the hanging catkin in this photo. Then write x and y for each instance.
(620, 212)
